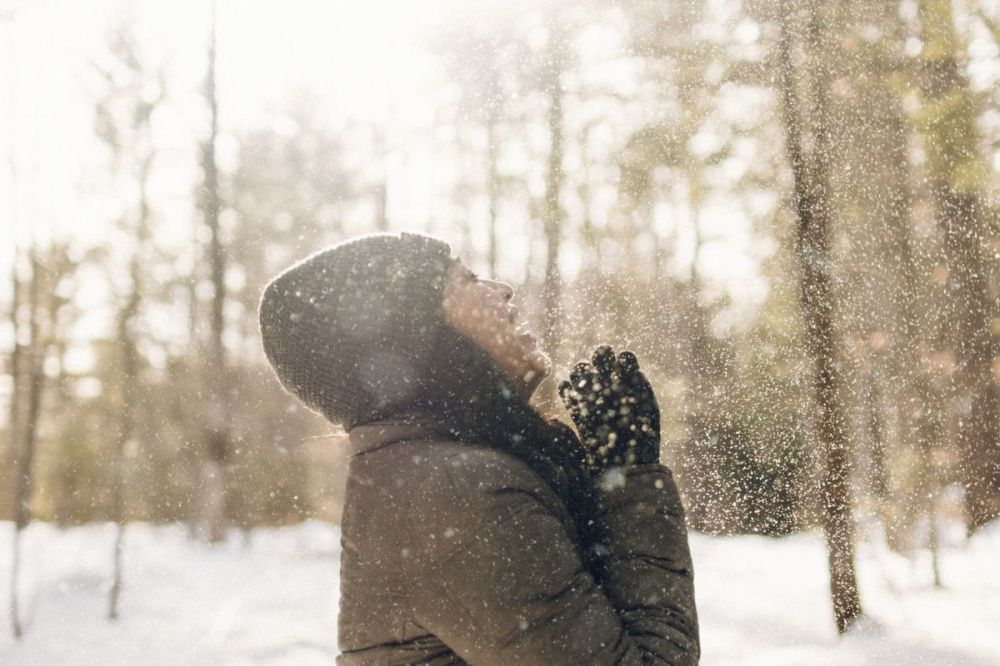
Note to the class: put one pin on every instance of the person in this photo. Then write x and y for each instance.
(475, 530)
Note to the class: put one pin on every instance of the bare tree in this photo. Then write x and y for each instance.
(126, 335)
(552, 212)
(43, 305)
(483, 48)
(216, 436)
(131, 94)
(16, 398)
(14, 428)
(814, 208)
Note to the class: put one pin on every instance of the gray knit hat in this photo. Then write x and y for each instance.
(349, 329)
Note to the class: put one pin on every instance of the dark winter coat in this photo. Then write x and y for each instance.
(455, 553)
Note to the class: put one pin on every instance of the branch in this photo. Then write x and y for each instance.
(992, 25)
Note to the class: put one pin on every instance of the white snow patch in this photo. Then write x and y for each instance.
(761, 600)
(184, 602)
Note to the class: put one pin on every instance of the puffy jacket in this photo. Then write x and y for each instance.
(454, 554)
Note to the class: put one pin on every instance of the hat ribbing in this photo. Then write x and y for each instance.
(350, 329)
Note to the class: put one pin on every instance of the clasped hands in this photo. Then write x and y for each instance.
(615, 411)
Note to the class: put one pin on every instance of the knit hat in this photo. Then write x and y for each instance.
(349, 329)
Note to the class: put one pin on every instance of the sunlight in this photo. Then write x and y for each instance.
(742, 323)
(368, 52)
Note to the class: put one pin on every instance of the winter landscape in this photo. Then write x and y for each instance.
(499, 294)
(274, 601)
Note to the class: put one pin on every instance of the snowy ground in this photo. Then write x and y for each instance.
(762, 601)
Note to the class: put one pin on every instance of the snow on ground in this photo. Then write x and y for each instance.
(184, 602)
(761, 600)
(766, 601)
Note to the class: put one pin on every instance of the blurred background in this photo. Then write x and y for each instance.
(787, 208)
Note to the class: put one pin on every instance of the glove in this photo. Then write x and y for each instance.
(614, 409)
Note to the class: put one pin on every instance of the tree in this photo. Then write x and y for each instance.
(16, 361)
(957, 172)
(49, 266)
(894, 303)
(484, 52)
(131, 95)
(216, 436)
(814, 209)
(277, 225)
(552, 212)
(667, 161)
(20, 457)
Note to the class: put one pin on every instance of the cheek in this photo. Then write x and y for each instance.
(476, 311)
(467, 311)
(482, 303)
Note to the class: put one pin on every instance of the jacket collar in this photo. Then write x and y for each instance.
(397, 428)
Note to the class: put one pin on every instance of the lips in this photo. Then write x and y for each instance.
(521, 331)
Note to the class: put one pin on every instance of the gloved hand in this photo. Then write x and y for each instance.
(614, 409)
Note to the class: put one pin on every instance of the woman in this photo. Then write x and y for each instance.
(475, 531)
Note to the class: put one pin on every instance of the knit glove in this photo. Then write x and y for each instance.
(614, 409)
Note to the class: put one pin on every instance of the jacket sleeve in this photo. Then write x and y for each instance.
(510, 588)
(647, 571)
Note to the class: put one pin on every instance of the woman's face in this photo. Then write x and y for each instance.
(481, 311)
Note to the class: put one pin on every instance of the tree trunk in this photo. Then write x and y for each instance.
(876, 433)
(813, 205)
(24, 450)
(552, 210)
(17, 351)
(492, 185)
(958, 177)
(14, 429)
(216, 436)
(129, 355)
(127, 352)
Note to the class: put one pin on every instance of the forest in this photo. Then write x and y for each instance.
(788, 209)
